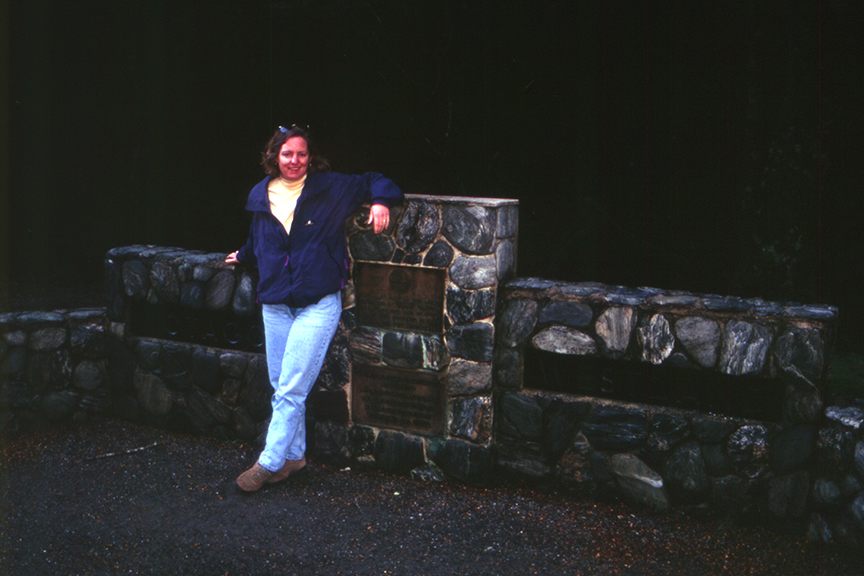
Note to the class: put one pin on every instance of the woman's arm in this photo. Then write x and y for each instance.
(244, 256)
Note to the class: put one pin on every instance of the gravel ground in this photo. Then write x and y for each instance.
(83, 500)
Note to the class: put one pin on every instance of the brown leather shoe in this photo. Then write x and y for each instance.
(290, 467)
(254, 478)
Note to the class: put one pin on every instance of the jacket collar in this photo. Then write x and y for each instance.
(259, 201)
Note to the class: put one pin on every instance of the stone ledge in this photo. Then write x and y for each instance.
(724, 334)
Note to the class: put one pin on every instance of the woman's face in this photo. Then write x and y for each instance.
(294, 158)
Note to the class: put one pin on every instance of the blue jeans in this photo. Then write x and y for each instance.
(297, 340)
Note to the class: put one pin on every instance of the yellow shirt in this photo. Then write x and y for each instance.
(283, 199)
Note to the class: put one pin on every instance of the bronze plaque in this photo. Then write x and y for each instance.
(394, 398)
(399, 297)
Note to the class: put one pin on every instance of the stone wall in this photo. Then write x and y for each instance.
(837, 496)
(54, 368)
(728, 335)
(659, 457)
(807, 465)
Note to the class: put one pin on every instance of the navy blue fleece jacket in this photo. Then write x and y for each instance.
(300, 268)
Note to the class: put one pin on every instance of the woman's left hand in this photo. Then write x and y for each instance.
(379, 217)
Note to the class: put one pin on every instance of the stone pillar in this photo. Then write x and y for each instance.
(468, 245)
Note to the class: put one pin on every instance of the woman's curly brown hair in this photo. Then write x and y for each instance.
(270, 156)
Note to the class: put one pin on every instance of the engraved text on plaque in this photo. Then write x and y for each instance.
(395, 398)
(399, 297)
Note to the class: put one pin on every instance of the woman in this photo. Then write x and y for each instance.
(297, 241)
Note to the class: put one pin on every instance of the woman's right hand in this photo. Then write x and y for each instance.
(232, 258)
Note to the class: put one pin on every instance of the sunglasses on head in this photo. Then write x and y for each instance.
(286, 130)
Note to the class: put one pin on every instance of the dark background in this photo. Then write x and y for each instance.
(710, 146)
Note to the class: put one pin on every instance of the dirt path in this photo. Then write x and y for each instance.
(172, 509)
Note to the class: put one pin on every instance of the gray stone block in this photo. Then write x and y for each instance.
(331, 442)
(638, 483)
(220, 290)
(700, 338)
(361, 441)
(505, 260)
(398, 453)
(147, 353)
(372, 247)
(401, 349)
(365, 345)
(509, 366)
(616, 428)
(517, 321)
(335, 372)
(798, 355)
(205, 370)
(564, 340)
(573, 314)
(686, 472)
(819, 530)
(745, 348)
(851, 486)
(787, 495)
(49, 338)
(467, 378)
(88, 340)
(175, 366)
(418, 227)
(466, 306)
(203, 273)
(521, 417)
(471, 229)
(153, 395)
(508, 221)
(851, 417)
(243, 303)
(856, 509)
(656, 339)
(615, 326)
(114, 295)
(205, 412)
(474, 272)
(716, 461)
(165, 284)
(563, 419)
(89, 375)
(667, 431)
(464, 461)
(255, 392)
(243, 425)
(232, 365)
(59, 406)
(859, 458)
(472, 418)
(472, 342)
(802, 403)
(836, 448)
(440, 255)
(748, 450)
(826, 494)
(793, 447)
(136, 279)
(522, 461)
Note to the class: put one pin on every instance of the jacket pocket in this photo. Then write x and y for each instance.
(321, 274)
